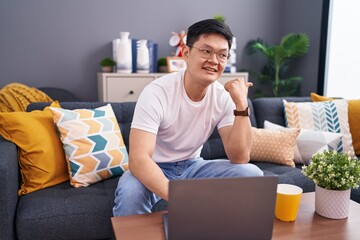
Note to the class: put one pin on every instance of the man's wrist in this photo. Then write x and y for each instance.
(245, 112)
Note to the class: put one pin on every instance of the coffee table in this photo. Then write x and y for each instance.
(308, 224)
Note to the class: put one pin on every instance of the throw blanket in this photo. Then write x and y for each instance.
(16, 97)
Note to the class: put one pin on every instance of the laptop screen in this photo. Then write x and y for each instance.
(221, 208)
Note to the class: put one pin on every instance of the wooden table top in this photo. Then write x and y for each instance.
(308, 224)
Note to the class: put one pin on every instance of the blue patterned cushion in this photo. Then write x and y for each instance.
(93, 144)
(330, 116)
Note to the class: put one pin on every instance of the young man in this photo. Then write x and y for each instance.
(176, 114)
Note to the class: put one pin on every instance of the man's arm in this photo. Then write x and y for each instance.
(237, 139)
(141, 164)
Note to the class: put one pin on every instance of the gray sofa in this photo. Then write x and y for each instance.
(64, 212)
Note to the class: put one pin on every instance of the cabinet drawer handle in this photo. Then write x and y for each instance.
(131, 92)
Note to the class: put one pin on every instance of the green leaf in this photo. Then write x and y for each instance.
(257, 46)
(279, 56)
(295, 45)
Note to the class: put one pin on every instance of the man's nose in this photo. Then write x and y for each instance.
(214, 58)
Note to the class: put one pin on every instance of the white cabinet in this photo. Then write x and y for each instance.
(119, 87)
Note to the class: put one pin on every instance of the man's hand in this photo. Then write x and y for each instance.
(238, 90)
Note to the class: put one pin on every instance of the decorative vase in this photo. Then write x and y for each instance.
(142, 57)
(332, 204)
(124, 54)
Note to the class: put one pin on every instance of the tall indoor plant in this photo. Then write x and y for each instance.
(278, 57)
(334, 174)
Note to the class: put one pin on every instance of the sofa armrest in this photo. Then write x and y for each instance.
(9, 185)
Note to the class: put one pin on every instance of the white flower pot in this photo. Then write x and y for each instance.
(332, 204)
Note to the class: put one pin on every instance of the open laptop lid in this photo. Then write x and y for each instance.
(222, 208)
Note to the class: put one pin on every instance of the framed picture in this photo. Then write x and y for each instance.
(175, 64)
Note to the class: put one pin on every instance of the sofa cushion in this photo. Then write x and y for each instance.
(289, 175)
(310, 142)
(252, 114)
(331, 116)
(9, 185)
(354, 118)
(124, 113)
(93, 144)
(41, 156)
(67, 213)
(272, 109)
(274, 145)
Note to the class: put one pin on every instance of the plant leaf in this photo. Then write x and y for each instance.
(295, 45)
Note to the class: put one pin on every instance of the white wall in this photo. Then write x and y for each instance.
(342, 78)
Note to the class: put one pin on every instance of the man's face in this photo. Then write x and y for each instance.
(201, 64)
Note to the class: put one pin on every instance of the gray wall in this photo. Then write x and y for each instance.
(305, 16)
(52, 43)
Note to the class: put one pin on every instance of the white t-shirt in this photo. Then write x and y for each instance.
(182, 126)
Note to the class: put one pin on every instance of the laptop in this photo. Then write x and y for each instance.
(221, 208)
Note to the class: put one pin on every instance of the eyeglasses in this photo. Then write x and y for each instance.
(207, 54)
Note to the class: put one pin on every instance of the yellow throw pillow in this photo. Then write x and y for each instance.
(318, 98)
(354, 118)
(274, 145)
(41, 156)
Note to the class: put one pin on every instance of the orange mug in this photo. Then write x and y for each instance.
(287, 202)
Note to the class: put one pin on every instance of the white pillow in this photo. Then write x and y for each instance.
(310, 142)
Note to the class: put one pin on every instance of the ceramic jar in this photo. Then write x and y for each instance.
(124, 54)
(142, 57)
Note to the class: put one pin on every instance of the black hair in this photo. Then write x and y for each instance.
(207, 27)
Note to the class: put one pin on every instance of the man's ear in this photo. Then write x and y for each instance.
(186, 52)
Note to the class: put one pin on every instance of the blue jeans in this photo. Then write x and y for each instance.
(132, 197)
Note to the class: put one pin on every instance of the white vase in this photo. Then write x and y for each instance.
(142, 57)
(332, 204)
(124, 54)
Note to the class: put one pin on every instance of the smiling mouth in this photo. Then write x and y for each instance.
(210, 69)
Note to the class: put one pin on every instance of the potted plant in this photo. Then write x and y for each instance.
(334, 174)
(162, 65)
(107, 64)
(278, 57)
(220, 18)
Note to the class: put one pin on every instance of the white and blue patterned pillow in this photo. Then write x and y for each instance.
(93, 144)
(329, 116)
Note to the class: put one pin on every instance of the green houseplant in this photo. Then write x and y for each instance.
(333, 170)
(162, 65)
(107, 64)
(220, 18)
(334, 174)
(278, 57)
